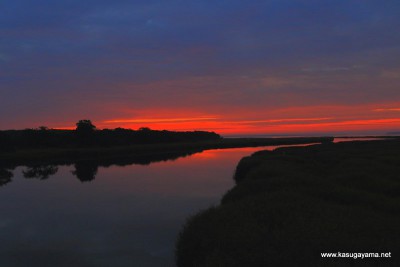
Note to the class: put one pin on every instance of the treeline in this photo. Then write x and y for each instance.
(86, 135)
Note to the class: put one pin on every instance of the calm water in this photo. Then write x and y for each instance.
(88, 215)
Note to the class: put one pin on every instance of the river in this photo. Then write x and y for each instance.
(108, 216)
(93, 216)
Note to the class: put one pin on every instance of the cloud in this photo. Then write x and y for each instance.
(386, 109)
(391, 74)
(326, 69)
(334, 69)
(273, 121)
(162, 120)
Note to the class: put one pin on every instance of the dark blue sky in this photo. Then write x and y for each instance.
(61, 61)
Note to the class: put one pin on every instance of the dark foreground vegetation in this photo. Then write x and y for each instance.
(292, 204)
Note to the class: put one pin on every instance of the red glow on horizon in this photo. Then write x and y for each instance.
(64, 128)
(273, 126)
(288, 120)
(162, 120)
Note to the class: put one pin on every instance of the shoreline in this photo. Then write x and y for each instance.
(72, 154)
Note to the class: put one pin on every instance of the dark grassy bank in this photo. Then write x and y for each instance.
(292, 204)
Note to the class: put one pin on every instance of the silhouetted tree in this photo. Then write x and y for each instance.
(145, 129)
(86, 134)
(85, 126)
(85, 131)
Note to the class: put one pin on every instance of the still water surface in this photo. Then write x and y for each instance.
(117, 216)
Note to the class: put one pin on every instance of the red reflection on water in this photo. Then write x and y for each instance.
(134, 210)
(207, 174)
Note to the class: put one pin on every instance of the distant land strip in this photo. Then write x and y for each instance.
(56, 155)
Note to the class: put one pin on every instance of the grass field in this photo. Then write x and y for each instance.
(292, 204)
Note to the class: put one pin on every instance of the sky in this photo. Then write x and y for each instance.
(234, 67)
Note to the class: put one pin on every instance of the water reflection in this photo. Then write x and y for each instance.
(5, 176)
(85, 170)
(128, 215)
(41, 172)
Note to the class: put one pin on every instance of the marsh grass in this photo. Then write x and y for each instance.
(292, 204)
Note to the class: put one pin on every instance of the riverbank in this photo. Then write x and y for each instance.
(57, 155)
(292, 204)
